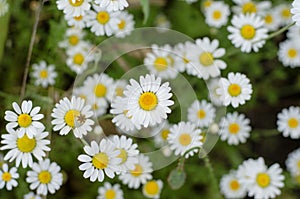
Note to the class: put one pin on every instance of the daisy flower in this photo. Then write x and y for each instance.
(204, 58)
(72, 115)
(261, 182)
(148, 100)
(152, 189)
(139, 175)
(128, 152)
(293, 34)
(234, 90)
(118, 89)
(8, 177)
(205, 4)
(180, 50)
(289, 53)
(288, 122)
(21, 149)
(101, 158)
(121, 118)
(126, 24)
(271, 19)
(3, 7)
(25, 118)
(112, 5)
(161, 133)
(161, 21)
(249, 6)
(31, 195)
(231, 187)
(213, 85)
(74, 8)
(183, 137)
(78, 22)
(108, 191)
(293, 162)
(44, 75)
(160, 62)
(73, 37)
(201, 113)
(235, 128)
(295, 12)
(78, 59)
(45, 177)
(102, 22)
(284, 13)
(217, 14)
(247, 32)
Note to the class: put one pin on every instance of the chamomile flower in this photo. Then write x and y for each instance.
(204, 56)
(31, 195)
(74, 8)
(293, 34)
(73, 37)
(139, 175)
(101, 159)
(182, 63)
(213, 85)
(152, 189)
(3, 7)
(235, 128)
(8, 177)
(201, 113)
(72, 115)
(205, 4)
(78, 22)
(44, 75)
(261, 182)
(161, 21)
(231, 187)
(99, 106)
(184, 136)
(148, 100)
(234, 90)
(25, 119)
(160, 62)
(126, 24)
(128, 152)
(295, 12)
(284, 13)
(109, 191)
(288, 122)
(45, 177)
(217, 14)
(102, 22)
(122, 119)
(161, 133)
(78, 59)
(118, 89)
(289, 53)
(271, 19)
(250, 7)
(293, 162)
(22, 149)
(112, 5)
(247, 32)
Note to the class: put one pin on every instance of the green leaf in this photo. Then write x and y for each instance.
(146, 9)
(176, 178)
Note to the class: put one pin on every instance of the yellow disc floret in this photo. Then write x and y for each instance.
(44, 177)
(26, 144)
(100, 160)
(24, 120)
(148, 101)
(248, 32)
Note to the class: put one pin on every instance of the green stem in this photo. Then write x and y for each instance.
(107, 116)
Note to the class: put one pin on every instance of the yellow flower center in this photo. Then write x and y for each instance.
(43, 74)
(217, 14)
(73, 40)
(248, 32)
(263, 180)
(78, 18)
(160, 64)
(233, 128)
(103, 17)
(292, 53)
(24, 120)
(234, 90)
(119, 91)
(122, 24)
(151, 188)
(249, 7)
(201, 114)
(185, 139)
(95, 106)
(137, 171)
(110, 194)
(122, 155)
(6, 176)
(76, 3)
(100, 90)
(234, 185)
(44, 177)
(206, 59)
(100, 161)
(268, 19)
(26, 144)
(285, 13)
(148, 101)
(70, 117)
(293, 123)
(164, 134)
(207, 3)
(78, 59)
